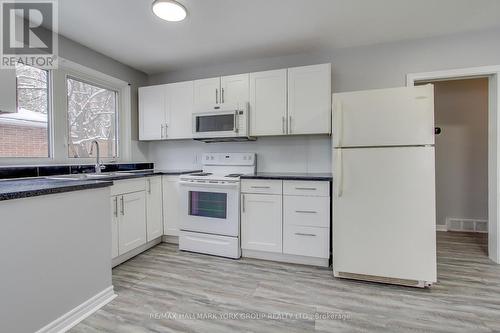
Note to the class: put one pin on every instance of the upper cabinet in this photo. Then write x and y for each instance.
(219, 90)
(207, 91)
(152, 115)
(268, 103)
(281, 102)
(235, 88)
(309, 99)
(165, 111)
(179, 108)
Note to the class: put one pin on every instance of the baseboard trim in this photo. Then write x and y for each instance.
(441, 227)
(82, 311)
(132, 253)
(170, 239)
(283, 257)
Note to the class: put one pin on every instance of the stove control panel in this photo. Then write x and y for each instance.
(228, 159)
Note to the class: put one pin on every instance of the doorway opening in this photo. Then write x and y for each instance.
(461, 148)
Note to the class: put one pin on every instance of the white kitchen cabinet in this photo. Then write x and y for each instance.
(132, 221)
(235, 88)
(154, 215)
(114, 226)
(268, 103)
(261, 226)
(309, 99)
(171, 205)
(152, 112)
(179, 110)
(207, 92)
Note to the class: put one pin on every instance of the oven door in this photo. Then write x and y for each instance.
(210, 208)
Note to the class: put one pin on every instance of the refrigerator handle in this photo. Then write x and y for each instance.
(338, 123)
(339, 180)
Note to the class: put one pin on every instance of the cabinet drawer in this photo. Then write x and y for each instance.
(306, 211)
(268, 186)
(306, 187)
(306, 241)
(128, 186)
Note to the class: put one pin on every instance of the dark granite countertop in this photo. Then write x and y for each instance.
(23, 188)
(289, 176)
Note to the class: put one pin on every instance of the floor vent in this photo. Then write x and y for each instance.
(381, 279)
(466, 225)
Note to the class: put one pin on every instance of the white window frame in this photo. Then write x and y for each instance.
(58, 121)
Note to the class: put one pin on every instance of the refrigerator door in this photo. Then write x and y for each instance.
(384, 117)
(384, 212)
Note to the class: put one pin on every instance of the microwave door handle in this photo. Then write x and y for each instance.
(235, 129)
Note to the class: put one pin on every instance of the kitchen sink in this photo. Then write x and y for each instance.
(86, 176)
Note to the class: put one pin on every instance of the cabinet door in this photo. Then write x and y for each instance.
(152, 112)
(8, 92)
(132, 225)
(179, 105)
(114, 226)
(207, 91)
(268, 103)
(171, 205)
(309, 99)
(154, 216)
(261, 222)
(235, 88)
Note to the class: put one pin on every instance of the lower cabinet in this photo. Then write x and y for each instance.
(171, 205)
(288, 220)
(154, 211)
(261, 227)
(131, 221)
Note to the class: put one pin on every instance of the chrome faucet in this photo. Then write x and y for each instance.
(98, 164)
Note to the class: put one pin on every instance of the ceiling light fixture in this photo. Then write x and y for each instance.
(169, 10)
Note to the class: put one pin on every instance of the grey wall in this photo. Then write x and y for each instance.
(367, 67)
(461, 110)
(82, 55)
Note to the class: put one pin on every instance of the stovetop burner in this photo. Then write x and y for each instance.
(201, 174)
(234, 175)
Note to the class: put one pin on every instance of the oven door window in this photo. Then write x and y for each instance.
(208, 204)
(215, 123)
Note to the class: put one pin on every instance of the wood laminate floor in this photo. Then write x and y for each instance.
(222, 295)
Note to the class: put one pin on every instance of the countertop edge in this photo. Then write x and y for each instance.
(288, 177)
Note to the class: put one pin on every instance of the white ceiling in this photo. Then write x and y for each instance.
(232, 30)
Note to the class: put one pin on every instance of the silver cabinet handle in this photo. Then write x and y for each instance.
(243, 203)
(306, 211)
(161, 135)
(216, 96)
(115, 213)
(166, 127)
(222, 95)
(261, 186)
(283, 120)
(289, 124)
(306, 188)
(302, 234)
(149, 186)
(123, 205)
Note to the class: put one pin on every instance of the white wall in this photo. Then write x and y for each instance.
(285, 154)
(367, 67)
(461, 110)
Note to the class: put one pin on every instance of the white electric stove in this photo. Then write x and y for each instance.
(210, 211)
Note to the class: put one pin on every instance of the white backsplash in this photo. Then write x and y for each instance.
(274, 154)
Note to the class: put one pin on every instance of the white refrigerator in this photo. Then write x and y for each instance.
(384, 221)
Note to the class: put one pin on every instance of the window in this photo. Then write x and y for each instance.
(92, 115)
(25, 133)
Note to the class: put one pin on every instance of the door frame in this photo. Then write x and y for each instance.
(493, 75)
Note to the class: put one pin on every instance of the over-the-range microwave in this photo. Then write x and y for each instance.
(222, 122)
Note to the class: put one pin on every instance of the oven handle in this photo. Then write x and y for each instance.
(193, 184)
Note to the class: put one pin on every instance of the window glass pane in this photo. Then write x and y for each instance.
(25, 133)
(208, 204)
(92, 115)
